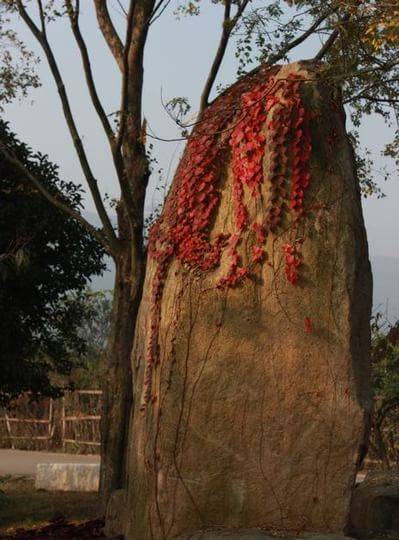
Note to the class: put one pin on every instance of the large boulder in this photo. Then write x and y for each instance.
(251, 359)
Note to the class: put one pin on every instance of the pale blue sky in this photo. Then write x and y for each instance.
(177, 58)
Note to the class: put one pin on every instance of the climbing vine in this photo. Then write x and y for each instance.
(267, 124)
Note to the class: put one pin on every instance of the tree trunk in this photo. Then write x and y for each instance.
(117, 383)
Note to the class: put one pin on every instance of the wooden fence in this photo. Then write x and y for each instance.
(11, 421)
(82, 422)
(70, 424)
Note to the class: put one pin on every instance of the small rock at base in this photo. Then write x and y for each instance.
(375, 505)
(67, 476)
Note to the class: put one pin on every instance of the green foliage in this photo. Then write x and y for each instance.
(187, 8)
(94, 330)
(363, 58)
(17, 62)
(263, 32)
(384, 443)
(46, 260)
(385, 359)
(366, 172)
(178, 108)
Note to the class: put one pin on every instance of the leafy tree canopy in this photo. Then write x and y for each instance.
(385, 379)
(385, 360)
(46, 260)
(94, 330)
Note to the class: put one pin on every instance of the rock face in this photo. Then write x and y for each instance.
(375, 505)
(251, 360)
(257, 535)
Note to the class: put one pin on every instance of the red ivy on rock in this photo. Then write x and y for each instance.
(287, 138)
(292, 263)
(308, 325)
(183, 230)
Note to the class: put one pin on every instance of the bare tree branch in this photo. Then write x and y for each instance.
(228, 27)
(58, 203)
(125, 74)
(123, 113)
(299, 40)
(159, 10)
(331, 40)
(141, 13)
(131, 135)
(108, 30)
(122, 8)
(272, 60)
(383, 68)
(376, 99)
(42, 17)
(74, 20)
(364, 93)
(91, 180)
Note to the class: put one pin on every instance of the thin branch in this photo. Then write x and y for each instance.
(292, 44)
(108, 31)
(299, 40)
(331, 40)
(91, 180)
(373, 99)
(123, 113)
(42, 17)
(74, 20)
(364, 93)
(125, 71)
(161, 4)
(158, 5)
(228, 27)
(115, 144)
(122, 8)
(131, 137)
(26, 174)
(392, 63)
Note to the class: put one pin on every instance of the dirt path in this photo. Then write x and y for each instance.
(21, 462)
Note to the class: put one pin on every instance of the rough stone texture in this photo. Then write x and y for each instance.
(67, 476)
(116, 513)
(256, 535)
(226, 535)
(375, 504)
(255, 422)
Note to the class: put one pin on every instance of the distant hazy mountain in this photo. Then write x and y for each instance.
(386, 286)
(106, 281)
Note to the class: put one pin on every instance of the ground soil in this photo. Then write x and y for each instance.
(26, 513)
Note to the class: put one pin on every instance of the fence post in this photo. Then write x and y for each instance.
(8, 425)
(66, 421)
(63, 423)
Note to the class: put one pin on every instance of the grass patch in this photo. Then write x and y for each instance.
(21, 505)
